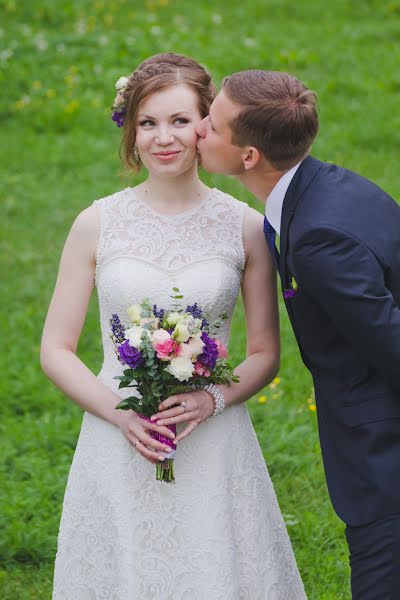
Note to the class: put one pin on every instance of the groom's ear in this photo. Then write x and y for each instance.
(251, 157)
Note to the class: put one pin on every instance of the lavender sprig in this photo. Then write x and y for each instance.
(118, 330)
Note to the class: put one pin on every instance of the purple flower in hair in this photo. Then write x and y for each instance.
(118, 117)
(130, 356)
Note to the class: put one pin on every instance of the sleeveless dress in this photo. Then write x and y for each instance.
(218, 533)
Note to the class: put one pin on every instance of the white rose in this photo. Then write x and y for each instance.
(121, 83)
(160, 336)
(173, 318)
(134, 335)
(134, 313)
(181, 368)
(192, 349)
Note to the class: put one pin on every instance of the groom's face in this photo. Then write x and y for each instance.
(218, 153)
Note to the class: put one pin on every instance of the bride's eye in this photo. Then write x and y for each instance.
(181, 121)
(146, 123)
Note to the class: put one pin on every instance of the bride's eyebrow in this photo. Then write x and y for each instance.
(177, 114)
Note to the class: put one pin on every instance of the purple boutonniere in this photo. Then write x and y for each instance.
(291, 291)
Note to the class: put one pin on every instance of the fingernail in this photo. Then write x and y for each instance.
(161, 458)
(152, 418)
(167, 449)
(160, 423)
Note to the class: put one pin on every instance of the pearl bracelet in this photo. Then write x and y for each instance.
(218, 397)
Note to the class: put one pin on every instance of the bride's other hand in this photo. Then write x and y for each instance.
(191, 407)
(137, 432)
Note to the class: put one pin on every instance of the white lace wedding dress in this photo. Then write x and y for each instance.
(218, 533)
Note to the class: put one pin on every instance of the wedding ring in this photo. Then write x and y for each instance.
(184, 406)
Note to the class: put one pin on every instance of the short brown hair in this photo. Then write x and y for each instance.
(157, 73)
(279, 115)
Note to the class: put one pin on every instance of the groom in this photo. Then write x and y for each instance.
(339, 263)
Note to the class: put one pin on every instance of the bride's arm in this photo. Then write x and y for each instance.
(64, 322)
(259, 292)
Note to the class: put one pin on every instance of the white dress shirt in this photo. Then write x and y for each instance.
(273, 206)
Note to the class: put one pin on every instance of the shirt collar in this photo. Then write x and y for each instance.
(274, 204)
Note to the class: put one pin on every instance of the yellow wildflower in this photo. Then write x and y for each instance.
(50, 93)
(72, 107)
(312, 407)
(262, 399)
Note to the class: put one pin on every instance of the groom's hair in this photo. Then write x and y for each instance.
(278, 115)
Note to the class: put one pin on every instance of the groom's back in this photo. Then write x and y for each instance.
(344, 240)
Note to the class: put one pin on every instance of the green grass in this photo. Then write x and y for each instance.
(59, 61)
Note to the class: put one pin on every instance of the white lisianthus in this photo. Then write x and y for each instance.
(181, 332)
(181, 368)
(134, 313)
(173, 318)
(134, 335)
(121, 83)
(192, 349)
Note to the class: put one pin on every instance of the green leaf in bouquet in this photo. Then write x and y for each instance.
(128, 372)
(131, 403)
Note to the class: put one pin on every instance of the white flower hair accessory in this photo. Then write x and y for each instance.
(119, 106)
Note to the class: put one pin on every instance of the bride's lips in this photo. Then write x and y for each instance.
(168, 155)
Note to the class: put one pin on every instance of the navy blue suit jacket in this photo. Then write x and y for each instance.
(340, 240)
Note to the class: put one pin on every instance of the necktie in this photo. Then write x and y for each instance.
(270, 235)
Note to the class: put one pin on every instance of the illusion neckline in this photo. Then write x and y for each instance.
(175, 215)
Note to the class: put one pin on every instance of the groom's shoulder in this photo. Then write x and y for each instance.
(337, 178)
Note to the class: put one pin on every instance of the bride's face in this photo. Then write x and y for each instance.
(166, 138)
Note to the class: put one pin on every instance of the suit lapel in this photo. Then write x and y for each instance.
(301, 180)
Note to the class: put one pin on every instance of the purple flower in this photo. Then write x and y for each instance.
(195, 311)
(130, 356)
(118, 330)
(289, 293)
(210, 352)
(159, 313)
(118, 117)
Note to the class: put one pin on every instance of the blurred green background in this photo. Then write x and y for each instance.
(59, 61)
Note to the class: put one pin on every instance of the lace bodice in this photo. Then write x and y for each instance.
(142, 253)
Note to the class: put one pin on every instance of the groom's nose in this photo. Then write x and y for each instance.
(201, 128)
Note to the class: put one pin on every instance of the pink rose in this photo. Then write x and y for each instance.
(192, 349)
(201, 370)
(222, 351)
(162, 343)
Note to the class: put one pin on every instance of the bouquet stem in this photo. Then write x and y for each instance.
(164, 468)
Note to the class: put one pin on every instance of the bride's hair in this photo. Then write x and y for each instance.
(157, 73)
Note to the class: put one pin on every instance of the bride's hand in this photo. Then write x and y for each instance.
(136, 430)
(192, 408)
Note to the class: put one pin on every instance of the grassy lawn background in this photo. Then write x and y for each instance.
(59, 62)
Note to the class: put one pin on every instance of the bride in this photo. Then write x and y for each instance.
(217, 534)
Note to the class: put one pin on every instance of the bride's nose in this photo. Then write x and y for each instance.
(164, 137)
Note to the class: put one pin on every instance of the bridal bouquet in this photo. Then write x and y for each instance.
(167, 353)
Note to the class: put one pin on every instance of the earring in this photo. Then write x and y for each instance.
(136, 155)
